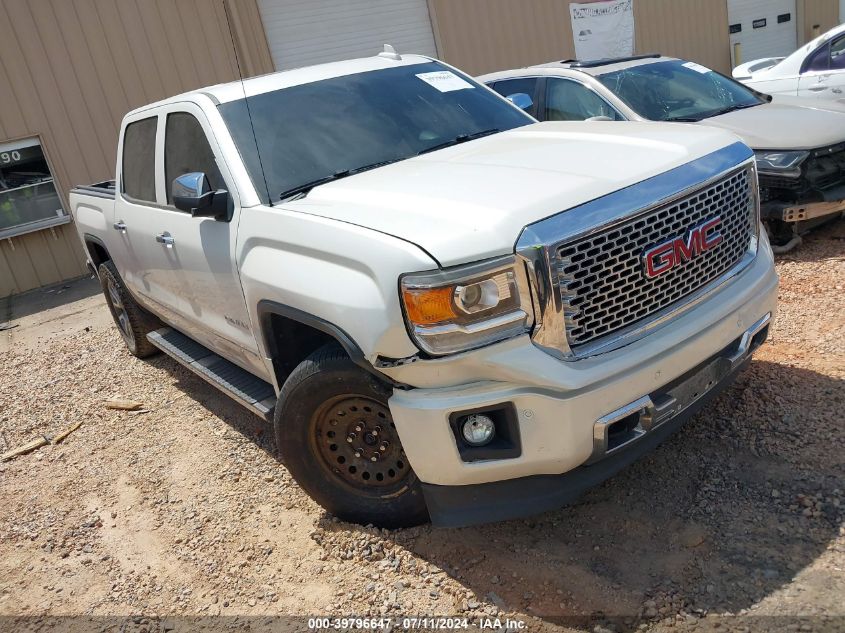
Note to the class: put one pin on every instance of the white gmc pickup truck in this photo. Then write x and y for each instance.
(447, 310)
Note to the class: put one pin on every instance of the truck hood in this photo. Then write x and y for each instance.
(784, 125)
(471, 201)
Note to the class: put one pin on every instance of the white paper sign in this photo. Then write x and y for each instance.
(697, 68)
(445, 81)
(603, 29)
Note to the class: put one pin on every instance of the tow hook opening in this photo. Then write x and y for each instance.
(758, 339)
(623, 431)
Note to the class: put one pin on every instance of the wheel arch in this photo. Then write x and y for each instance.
(96, 250)
(290, 335)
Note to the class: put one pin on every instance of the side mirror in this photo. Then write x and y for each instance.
(520, 100)
(192, 193)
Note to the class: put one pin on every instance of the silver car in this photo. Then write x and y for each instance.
(799, 144)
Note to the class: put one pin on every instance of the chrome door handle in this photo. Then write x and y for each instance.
(166, 239)
(817, 88)
(120, 225)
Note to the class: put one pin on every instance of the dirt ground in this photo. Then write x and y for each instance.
(736, 523)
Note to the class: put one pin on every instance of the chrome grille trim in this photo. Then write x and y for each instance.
(541, 242)
(602, 285)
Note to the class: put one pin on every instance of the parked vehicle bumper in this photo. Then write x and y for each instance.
(561, 410)
(802, 211)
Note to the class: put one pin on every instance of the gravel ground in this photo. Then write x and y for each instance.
(736, 523)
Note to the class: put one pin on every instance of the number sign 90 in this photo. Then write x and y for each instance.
(10, 157)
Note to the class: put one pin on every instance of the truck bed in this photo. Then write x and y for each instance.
(104, 189)
(93, 211)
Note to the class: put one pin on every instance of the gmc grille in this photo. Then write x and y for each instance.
(601, 280)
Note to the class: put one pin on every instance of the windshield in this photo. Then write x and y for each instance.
(332, 128)
(678, 91)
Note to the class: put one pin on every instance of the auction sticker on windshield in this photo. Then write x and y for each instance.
(445, 81)
(697, 68)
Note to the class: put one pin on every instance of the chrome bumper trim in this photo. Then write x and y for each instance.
(745, 342)
(654, 413)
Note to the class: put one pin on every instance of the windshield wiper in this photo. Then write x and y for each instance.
(461, 138)
(733, 108)
(708, 115)
(303, 189)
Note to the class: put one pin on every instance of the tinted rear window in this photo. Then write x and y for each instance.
(138, 178)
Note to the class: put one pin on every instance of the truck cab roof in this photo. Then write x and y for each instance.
(234, 90)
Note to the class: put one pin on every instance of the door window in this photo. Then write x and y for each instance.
(525, 85)
(572, 101)
(186, 150)
(138, 179)
(837, 54)
(820, 60)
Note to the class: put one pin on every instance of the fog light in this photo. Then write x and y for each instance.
(478, 429)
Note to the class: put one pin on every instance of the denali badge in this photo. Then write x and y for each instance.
(666, 256)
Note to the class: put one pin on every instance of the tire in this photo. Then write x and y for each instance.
(331, 420)
(132, 321)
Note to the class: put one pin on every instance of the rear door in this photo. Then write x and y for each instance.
(138, 212)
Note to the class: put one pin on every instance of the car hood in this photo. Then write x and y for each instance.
(755, 67)
(471, 201)
(779, 125)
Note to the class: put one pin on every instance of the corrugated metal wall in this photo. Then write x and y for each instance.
(812, 13)
(40, 259)
(70, 70)
(481, 36)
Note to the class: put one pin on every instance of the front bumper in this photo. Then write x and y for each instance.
(557, 404)
(660, 413)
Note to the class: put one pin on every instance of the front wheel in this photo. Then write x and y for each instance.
(334, 428)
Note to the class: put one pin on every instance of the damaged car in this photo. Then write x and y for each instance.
(799, 145)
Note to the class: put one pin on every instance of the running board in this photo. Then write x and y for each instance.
(250, 391)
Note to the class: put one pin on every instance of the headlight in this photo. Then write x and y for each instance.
(780, 162)
(466, 307)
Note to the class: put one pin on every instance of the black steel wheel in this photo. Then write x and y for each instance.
(357, 439)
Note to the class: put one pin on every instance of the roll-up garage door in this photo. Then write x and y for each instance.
(305, 32)
(763, 28)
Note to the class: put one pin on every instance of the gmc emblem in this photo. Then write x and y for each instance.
(675, 252)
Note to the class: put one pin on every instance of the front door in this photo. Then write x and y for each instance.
(201, 251)
(823, 73)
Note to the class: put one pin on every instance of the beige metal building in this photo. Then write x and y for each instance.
(70, 69)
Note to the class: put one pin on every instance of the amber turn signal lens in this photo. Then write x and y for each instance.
(426, 306)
